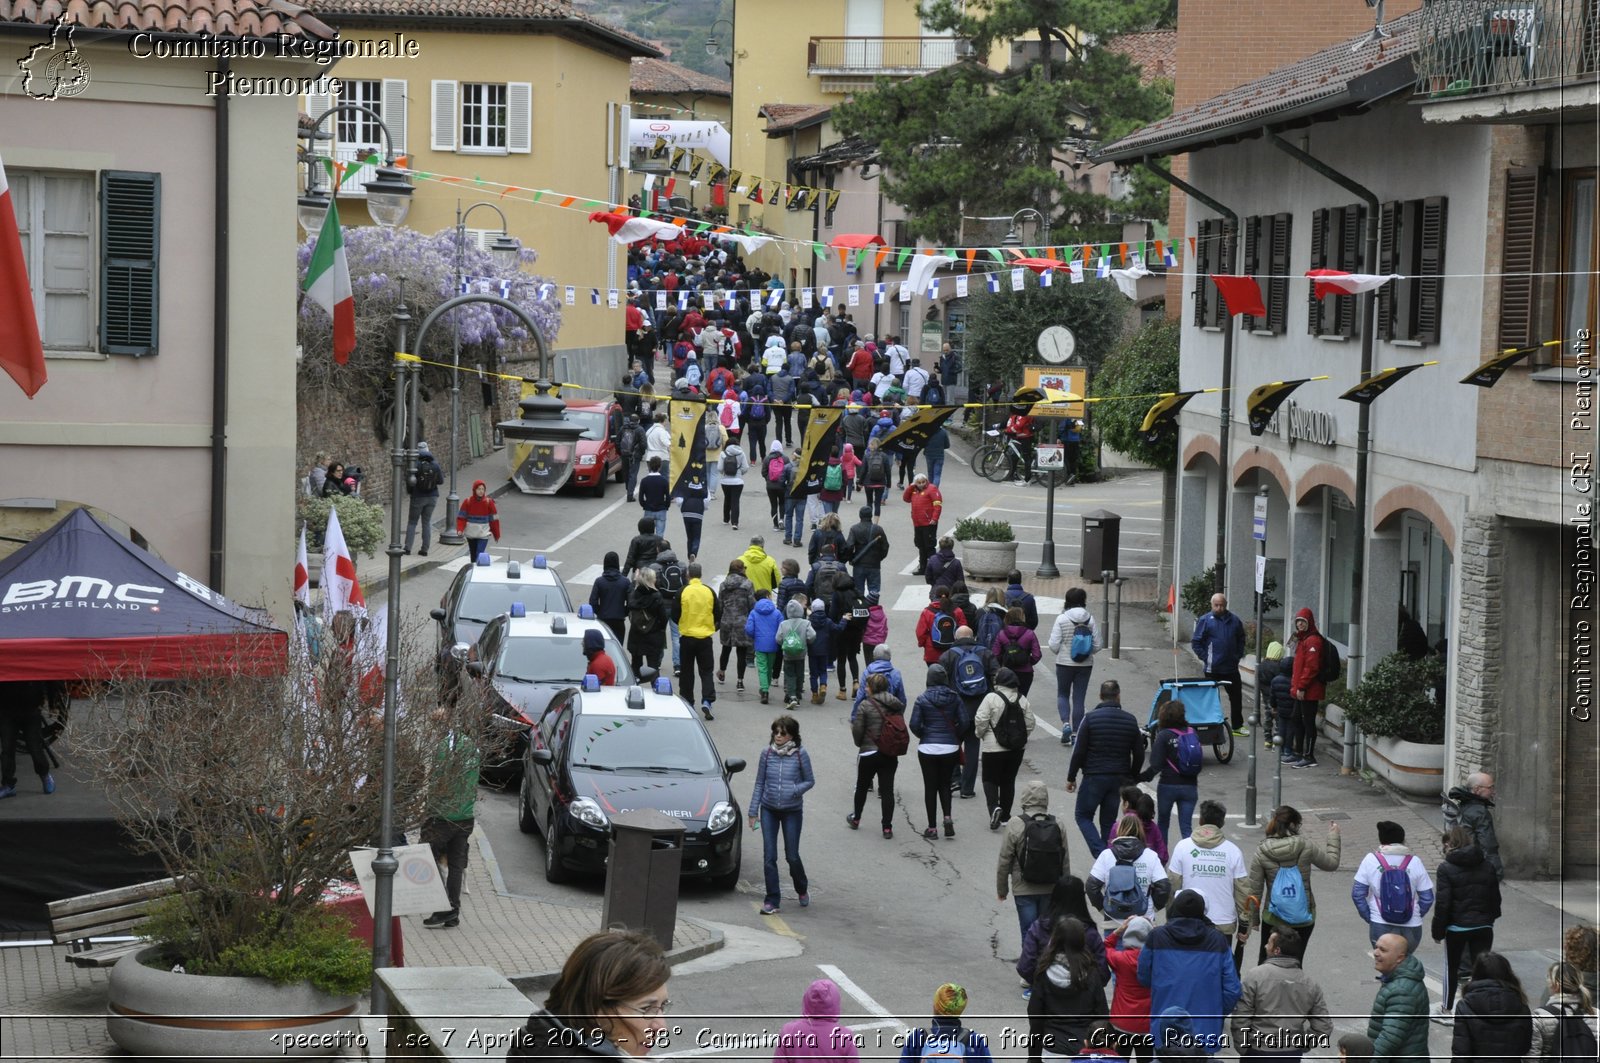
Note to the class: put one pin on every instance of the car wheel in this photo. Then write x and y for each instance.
(525, 820)
(729, 880)
(600, 484)
(622, 472)
(554, 870)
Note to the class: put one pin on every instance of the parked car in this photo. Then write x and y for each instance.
(598, 461)
(483, 591)
(597, 752)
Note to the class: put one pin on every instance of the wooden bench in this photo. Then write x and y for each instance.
(77, 921)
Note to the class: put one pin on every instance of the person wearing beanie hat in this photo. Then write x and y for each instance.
(422, 491)
(817, 1034)
(945, 1036)
(1130, 999)
(600, 662)
(1276, 672)
(821, 650)
(1188, 963)
(1281, 1010)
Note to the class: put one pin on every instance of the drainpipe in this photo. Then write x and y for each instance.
(1354, 749)
(1220, 582)
(219, 346)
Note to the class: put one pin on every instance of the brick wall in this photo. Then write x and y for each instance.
(1224, 43)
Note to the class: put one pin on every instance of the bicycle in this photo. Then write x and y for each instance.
(1000, 458)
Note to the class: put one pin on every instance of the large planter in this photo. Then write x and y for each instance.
(1413, 768)
(154, 1012)
(988, 560)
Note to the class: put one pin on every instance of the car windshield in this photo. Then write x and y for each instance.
(556, 659)
(482, 602)
(592, 422)
(643, 743)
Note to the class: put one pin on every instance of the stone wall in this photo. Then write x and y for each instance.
(1475, 658)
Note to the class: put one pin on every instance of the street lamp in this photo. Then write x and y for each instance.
(403, 463)
(506, 251)
(388, 193)
(713, 42)
(1047, 554)
(1013, 238)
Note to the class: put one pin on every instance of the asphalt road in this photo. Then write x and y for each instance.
(889, 920)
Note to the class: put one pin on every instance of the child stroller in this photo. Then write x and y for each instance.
(1202, 706)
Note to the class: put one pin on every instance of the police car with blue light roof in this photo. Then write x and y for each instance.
(482, 591)
(598, 751)
(522, 659)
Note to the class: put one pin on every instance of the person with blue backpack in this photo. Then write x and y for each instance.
(1074, 638)
(1127, 877)
(1392, 890)
(1177, 756)
(945, 1039)
(971, 669)
(1280, 874)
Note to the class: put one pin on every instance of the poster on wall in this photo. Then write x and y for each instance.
(1057, 378)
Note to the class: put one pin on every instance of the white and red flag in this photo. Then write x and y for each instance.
(340, 588)
(302, 573)
(21, 353)
(1326, 282)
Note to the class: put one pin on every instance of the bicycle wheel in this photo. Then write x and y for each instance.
(991, 463)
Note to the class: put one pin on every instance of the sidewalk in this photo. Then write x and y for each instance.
(52, 1010)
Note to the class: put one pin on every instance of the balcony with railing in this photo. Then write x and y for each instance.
(1487, 47)
(357, 173)
(867, 57)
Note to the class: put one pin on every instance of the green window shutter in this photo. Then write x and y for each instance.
(1430, 286)
(130, 251)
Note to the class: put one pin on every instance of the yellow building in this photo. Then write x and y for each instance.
(524, 93)
(668, 92)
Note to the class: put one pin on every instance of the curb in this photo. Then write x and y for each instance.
(380, 581)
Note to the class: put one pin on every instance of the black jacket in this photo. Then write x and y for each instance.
(1276, 674)
(1466, 892)
(855, 428)
(652, 636)
(1062, 1012)
(1109, 743)
(821, 537)
(1493, 1024)
(642, 551)
(867, 545)
(546, 1037)
(1164, 761)
(609, 595)
(653, 492)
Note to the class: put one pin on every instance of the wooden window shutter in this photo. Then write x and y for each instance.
(130, 251)
(446, 118)
(519, 117)
(1277, 289)
(1350, 246)
(1204, 252)
(1430, 264)
(394, 111)
(1387, 250)
(1519, 283)
(1319, 260)
(1252, 259)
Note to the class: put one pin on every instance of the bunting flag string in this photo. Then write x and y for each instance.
(1369, 389)
(1488, 374)
(1265, 400)
(1163, 416)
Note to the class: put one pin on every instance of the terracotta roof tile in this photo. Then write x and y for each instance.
(221, 18)
(470, 10)
(660, 76)
(782, 117)
(1154, 52)
(1335, 77)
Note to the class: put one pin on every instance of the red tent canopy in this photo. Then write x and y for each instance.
(82, 602)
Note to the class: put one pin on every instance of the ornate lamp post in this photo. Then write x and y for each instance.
(388, 194)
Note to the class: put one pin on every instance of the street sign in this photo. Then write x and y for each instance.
(1261, 574)
(1258, 529)
(1051, 456)
(1072, 380)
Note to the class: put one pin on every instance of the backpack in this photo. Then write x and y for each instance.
(893, 738)
(828, 573)
(1044, 850)
(1287, 900)
(1015, 656)
(641, 621)
(1574, 1040)
(933, 395)
(1394, 891)
(713, 437)
(629, 443)
(942, 633)
(756, 409)
(1012, 733)
(1082, 647)
(670, 580)
(970, 677)
(833, 478)
(945, 1047)
(1124, 895)
(775, 467)
(1328, 668)
(427, 475)
(730, 464)
(793, 643)
(1186, 746)
(878, 469)
(726, 416)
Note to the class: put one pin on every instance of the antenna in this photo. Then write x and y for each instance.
(1378, 34)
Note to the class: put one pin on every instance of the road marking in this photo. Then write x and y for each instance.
(912, 600)
(910, 569)
(870, 1006)
(586, 576)
(776, 924)
(591, 522)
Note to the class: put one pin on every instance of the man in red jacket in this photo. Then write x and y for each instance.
(1306, 688)
(926, 503)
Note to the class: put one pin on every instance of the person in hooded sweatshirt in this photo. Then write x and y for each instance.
(1130, 1001)
(881, 664)
(1187, 963)
(1172, 1036)
(817, 1034)
(609, 1001)
(1031, 895)
(609, 596)
(478, 519)
(876, 631)
(601, 665)
(1493, 1023)
(946, 1031)
(1276, 672)
(794, 672)
(1282, 849)
(762, 627)
(874, 764)
(1466, 907)
(1069, 993)
(1306, 688)
(1001, 763)
(938, 719)
(1128, 848)
(1213, 867)
(647, 627)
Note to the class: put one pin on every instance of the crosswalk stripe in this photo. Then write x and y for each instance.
(586, 576)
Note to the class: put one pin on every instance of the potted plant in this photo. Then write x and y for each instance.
(362, 522)
(1394, 706)
(988, 549)
(252, 790)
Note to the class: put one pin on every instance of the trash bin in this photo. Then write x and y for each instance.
(1101, 531)
(642, 870)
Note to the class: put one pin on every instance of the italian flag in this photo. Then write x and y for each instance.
(328, 284)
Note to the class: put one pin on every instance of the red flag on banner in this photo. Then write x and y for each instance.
(1241, 294)
(21, 352)
(719, 195)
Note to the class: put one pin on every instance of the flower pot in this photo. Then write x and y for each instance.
(988, 560)
(1414, 768)
(155, 1012)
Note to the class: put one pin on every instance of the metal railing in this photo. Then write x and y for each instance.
(356, 178)
(1474, 47)
(883, 55)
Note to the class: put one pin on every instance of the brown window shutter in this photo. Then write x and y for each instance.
(1387, 249)
(1319, 260)
(1519, 283)
(1205, 259)
(1350, 241)
(1430, 264)
(1252, 259)
(1277, 290)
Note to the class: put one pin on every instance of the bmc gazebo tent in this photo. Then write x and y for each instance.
(82, 602)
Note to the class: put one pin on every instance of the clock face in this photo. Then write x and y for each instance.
(1056, 344)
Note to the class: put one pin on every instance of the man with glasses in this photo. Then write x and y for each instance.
(1473, 806)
